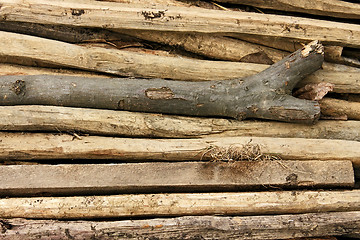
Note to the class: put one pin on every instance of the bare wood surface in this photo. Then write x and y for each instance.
(190, 227)
(134, 124)
(49, 146)
(70, 179)
(216, 47)
(331, 8)
(340, 108)
(181, 204)
(265, 95)
(123, 16)
(26, 49)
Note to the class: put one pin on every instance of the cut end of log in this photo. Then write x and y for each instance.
(314, 46)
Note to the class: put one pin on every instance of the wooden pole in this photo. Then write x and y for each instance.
(190, 227)
(181, 204)
(123, 16)
(61, 146)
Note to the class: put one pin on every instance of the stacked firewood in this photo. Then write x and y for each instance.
(131, 119)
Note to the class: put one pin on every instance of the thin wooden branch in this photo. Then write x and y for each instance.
(150, 205)
(133, 124)
(49, 146)
(216, 47)
(329, 8)
(123, 16)
(190, 227)
(340, 108)
(69, 179)
(265, 95)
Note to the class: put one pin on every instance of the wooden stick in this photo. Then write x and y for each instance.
(133, 124)
(216, 47)
(330, 8)
(49, 146)
(146, 205)
(337, 108)
(122, 16)
(264, 95)
(190, 227)
(65, 179)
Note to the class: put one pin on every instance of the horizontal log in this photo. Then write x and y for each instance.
(329, 8)
(215, 47)
(180, 204)
(340, 108)
(190, 227)
(18, 47)
(134, 124)
(266, 95)
(61, 146)
(65, 179)
(123, 16)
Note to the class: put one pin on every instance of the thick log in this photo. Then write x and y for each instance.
(35, 50)
(134, 124)
(264, 95)
(180, 204)
(190, 227)
(122, 16)
(329, 8)
(49, 146)
(65, 179)
(340, 108)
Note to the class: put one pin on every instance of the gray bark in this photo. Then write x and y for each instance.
(264, 95)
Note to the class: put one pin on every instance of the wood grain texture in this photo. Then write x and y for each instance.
(190, 227)
(180, 204)
(329, 8)
(61, 146)
(339, 108)
(123, 16)
(68, 179)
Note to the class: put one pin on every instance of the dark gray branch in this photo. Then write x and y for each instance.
(265, 95)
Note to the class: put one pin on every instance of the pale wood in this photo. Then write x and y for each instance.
(330, 8)
(60, 146)
(70, 179)
(135, 124)
(15, 69)
(181, 204)
(339, 108)
(212, 46)
(123, 16)
(190, 227)
(119, 62)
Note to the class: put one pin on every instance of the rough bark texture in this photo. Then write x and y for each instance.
(181, 204)
(122, 16)
(331, 8)
(69, 179)
(134, 124)
(260, 96)
(340, 108)
(190, 227)
(49, 146)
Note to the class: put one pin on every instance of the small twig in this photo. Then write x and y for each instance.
(221, 7)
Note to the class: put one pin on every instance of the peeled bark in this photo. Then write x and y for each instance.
(331, 8)
(115, 16)
(150, 205)
(38, 146)
(190, 227)
(264, 95)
